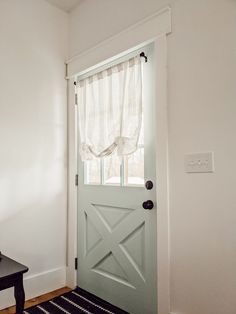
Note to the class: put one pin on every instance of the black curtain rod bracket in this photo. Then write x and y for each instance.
(142, 54)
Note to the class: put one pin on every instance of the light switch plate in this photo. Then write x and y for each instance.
(199, 162)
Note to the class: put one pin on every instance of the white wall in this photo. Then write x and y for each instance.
(33, 48)
(202, 112)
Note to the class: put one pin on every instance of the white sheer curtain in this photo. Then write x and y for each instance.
(110, 110)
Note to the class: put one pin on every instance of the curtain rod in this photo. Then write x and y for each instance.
(142, 55)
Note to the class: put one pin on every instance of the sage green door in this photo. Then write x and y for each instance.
(116, 235)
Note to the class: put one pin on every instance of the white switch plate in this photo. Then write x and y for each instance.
(199, 162)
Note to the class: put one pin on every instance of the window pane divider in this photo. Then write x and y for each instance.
(122, 173)
(102, 171)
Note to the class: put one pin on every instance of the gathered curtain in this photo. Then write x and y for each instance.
(110, 110)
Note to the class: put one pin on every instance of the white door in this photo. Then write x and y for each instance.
(116, 235)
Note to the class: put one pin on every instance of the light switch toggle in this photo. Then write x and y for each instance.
(199, 162)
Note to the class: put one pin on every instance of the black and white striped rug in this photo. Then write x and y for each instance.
(76, 301)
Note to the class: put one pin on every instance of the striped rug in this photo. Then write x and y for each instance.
(76, 301)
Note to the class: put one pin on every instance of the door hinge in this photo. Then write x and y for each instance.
(76, 263)
(76, 99)
(76, 179)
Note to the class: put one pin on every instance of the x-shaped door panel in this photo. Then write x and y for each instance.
(119, 237)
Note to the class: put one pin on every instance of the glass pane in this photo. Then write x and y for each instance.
(134, 168)
(112, 166)
(92, 172)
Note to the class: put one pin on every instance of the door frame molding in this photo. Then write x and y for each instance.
(154, 28)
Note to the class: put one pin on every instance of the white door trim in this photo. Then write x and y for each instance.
(154, 28)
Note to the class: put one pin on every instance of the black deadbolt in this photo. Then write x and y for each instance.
(149, 185)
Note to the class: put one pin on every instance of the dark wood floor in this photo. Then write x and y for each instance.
(35, 301)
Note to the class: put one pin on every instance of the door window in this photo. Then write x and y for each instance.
(113, 169)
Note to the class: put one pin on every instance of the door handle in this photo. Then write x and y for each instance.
(148, 205)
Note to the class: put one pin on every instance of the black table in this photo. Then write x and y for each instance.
(11, 275)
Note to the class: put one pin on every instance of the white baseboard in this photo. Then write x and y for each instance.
(36, 285)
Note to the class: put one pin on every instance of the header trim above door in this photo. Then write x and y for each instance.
(137, 35)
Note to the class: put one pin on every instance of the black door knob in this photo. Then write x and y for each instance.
(148, 205)
(149, 185)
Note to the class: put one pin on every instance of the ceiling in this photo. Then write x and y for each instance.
(65, 5)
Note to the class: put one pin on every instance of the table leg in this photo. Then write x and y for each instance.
(19, 295)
